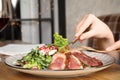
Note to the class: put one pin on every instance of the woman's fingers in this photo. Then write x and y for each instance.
(80, 23)
(84, 25)
(87, 35)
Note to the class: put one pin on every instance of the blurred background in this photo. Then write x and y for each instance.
(35, 21)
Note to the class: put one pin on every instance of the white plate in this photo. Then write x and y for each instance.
(105, 58)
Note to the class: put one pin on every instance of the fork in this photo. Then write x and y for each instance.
(91, 49)
(74, 40)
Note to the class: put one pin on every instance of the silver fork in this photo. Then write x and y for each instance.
(74, 40)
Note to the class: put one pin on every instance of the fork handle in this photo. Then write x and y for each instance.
(74, 40)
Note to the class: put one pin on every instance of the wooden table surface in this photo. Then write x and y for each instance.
(111, 73)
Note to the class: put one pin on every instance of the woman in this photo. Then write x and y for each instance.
(90, 26)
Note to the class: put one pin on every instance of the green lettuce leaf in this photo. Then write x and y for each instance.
(61, 42)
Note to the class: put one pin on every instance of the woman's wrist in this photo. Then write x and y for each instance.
(103, 43)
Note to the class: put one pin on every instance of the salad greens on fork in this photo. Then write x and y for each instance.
(61, 43)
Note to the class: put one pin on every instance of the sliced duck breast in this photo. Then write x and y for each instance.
(74, 63)
(58, 61)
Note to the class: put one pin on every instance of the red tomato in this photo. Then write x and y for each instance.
(53, 47)
(43, 47)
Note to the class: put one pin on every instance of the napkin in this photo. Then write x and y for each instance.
(13, 49)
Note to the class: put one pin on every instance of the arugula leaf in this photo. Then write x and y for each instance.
(36, 59)
(61, 42)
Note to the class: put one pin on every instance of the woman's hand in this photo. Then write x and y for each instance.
(115, 46)
(95, 28)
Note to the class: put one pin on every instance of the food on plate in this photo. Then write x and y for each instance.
(58, 61)
(86, 60)
(57, 56)
(61, 43)
(73, 62)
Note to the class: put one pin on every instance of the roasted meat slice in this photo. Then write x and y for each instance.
(74, 63)
(58, 62)
(87, 60)
(73, 60)
(99, 63)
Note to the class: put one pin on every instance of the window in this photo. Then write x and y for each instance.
(35, 21)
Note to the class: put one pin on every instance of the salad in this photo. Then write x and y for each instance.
(41, 57)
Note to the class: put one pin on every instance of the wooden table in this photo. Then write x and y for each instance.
(111, 73)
